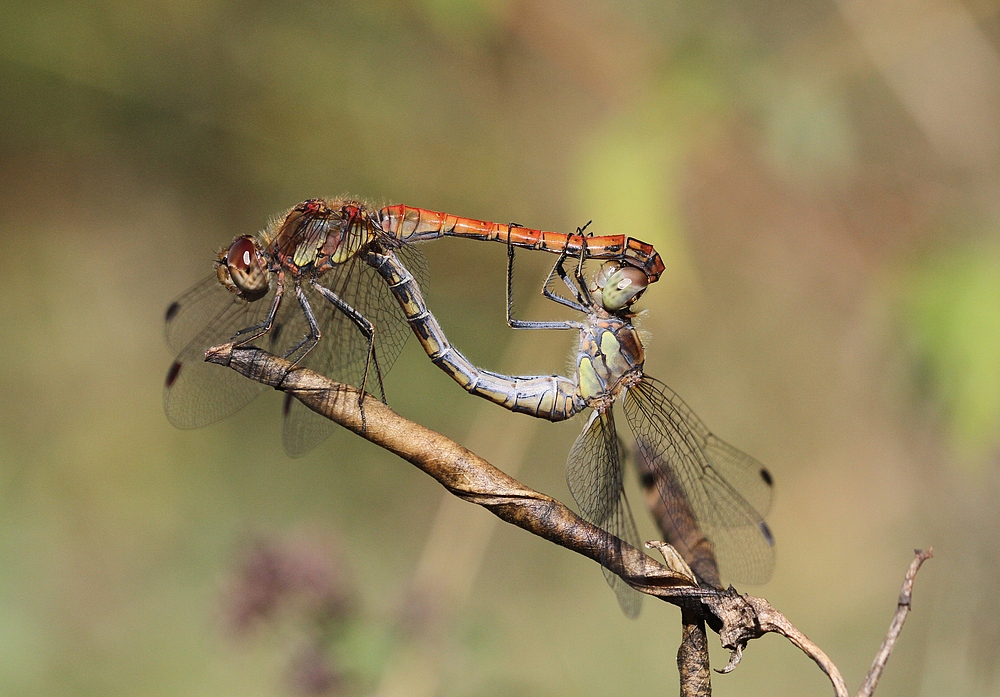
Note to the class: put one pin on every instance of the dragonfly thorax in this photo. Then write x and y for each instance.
(610, 359)
(318, 234)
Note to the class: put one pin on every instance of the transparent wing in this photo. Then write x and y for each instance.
(594, 475)
(342, 353)
(197, 393)
(195, 309)
(728, 491)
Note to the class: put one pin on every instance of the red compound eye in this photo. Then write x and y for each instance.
(243, 271)
(241, 254)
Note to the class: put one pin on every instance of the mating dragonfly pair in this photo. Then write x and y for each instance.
(356, 281)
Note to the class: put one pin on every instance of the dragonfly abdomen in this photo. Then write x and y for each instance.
(409, 224)
(551, 397)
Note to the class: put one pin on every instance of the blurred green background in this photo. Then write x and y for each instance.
(821, 178)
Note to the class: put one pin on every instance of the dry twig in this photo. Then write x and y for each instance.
(902, 610)
(736, 618)
(460, 471)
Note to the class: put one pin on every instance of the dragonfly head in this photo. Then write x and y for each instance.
(619, 286)
(242, 270)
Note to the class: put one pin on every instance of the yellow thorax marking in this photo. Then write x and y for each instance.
(590, 384)
(305, 253)
(354, 238)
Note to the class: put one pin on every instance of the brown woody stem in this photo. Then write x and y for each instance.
(461, 472)
(737, 618)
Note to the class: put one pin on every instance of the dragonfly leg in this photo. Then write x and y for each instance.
(525, 324)
(584, 302)
(580, 290)
(309, 341)
(560, 269)
(245, 336)
(366, 328)
(545, 286)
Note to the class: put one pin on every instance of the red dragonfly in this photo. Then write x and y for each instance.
(317, 253)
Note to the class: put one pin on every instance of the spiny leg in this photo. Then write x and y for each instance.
(524, 324)
(584, 302)
(309, 341)
(366, 328)
(579, 290)
(545, 286)
(261, 328)
(551, 295)
(548, 280)
(581, 282)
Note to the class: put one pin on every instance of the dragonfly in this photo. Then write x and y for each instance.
(725, 490)
(304, 279)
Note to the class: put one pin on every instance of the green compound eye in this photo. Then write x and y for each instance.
(623, 288)
(608, 269)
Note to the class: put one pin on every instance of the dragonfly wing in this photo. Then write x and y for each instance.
(197, 393)
(342, 353)
(728, 491)
(199, 306)
(594, 475)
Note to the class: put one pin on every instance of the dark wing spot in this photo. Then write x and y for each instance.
(172, 310)
(175, 370)
(766, 532)
(647, 480)
(766, 476)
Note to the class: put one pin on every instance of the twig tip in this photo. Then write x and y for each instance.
(220, 354)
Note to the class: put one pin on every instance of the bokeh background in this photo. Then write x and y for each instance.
(820, 176)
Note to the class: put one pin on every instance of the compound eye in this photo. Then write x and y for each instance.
(608, 269)
(245, 269)
(623, 288)
(241, 255)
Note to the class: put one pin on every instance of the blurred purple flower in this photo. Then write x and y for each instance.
(312, 674)
(299, 577)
